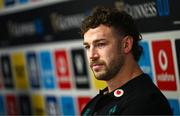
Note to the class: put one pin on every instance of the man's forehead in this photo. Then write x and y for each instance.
(98, 34)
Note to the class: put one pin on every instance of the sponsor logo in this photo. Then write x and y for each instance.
(62, 23)
(19, 69)
(80, 68)
(51, 105)
(6, 71)
(38, 104)
(33, 69)
(62, 69)
(67, 105)
(164, 65)
(46, 68)
(145, 10)
(11, 105)
(25, 104)
(17, 29)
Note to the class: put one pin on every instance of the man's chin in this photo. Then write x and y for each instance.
(100, 77)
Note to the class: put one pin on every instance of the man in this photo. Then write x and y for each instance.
(111, 41)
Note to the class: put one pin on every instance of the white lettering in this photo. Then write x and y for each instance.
(81, 80)
(64, 79)
(62, 65)
(145, 10)
(166, 77)
(21, 29)
(60, 23)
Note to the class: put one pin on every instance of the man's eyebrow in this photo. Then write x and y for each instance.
(99, 40)
(85, 43)
(95, 41)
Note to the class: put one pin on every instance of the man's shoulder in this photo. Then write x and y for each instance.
(152, 103)
(142, 95)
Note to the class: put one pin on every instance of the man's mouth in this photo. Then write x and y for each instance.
(96, 67)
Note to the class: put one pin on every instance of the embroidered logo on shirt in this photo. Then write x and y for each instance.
(118, 93)
(86, 112)
(113, 110)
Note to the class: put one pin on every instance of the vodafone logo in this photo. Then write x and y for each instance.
(62, 65)
(164, 65)
(118, 93)
(163, 60)
(62, 68)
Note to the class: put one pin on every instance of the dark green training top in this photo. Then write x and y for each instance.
(138, 96)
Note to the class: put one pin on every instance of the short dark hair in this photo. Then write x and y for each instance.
(119, 20)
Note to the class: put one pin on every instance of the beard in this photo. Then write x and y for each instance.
(111, 69)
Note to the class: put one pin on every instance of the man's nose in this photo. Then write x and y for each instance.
(93, 54)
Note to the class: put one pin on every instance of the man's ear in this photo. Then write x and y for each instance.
(127, 44)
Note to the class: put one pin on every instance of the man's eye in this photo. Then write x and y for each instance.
(101, 45)
(86, 47)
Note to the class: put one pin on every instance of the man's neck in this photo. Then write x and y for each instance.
(128, 71)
